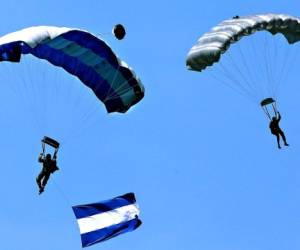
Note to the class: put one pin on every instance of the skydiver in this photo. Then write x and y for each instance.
(49, 167)
(276, 130)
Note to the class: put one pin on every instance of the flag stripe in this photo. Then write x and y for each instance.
(86, 210)
(107, 219)
(94, 237)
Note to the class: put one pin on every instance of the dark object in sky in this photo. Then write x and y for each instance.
(49, 167)
(267, 101)
(119, 31)
(276, 130)
(49, 163)
(50, 142)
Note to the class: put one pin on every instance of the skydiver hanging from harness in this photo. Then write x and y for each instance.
(274, 122)
(49, 163)
(276, 130)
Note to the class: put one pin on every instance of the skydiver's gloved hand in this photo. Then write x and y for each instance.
(40, 159)
(55, 155)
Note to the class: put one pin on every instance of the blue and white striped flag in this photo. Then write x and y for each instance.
(107, 219)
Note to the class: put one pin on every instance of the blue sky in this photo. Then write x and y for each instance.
(199, 157)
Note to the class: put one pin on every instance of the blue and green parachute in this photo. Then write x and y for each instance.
(81, 54)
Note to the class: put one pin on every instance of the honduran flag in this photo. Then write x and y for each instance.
(106, 219)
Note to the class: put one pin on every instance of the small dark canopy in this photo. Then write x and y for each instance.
(119, 31)
(267, 101)
(51, 142)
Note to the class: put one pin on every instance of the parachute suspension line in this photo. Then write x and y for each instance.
(236, 82)
(260, 73)
(73, 100)
(38, 91)
(274, 108)
(231, 77)
(267, 112)
(22, 87)
(241, 91)
(27, 99)
(290, 59)
(267, 66)
(282, 71)
(252, 80)
(121, 88)
(85, 120)
(55, 97)
(225, 83)
(274, 68)
(31, 85)
(11, 86)
(258, 68)
(244, 79)
(105, 34)
(108, 96)
(33, 91)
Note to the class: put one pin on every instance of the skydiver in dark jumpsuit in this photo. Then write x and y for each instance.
(49, 167)
(276, 130)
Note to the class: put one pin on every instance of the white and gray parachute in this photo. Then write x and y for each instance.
(246, 54)
(211, 45)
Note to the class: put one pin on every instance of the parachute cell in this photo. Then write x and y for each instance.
(81, 54)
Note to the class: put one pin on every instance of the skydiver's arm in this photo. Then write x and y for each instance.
(279, 116)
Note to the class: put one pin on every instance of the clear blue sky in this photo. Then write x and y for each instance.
(200, 158)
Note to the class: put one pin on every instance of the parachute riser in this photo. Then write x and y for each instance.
(264, 104)
(51, 142)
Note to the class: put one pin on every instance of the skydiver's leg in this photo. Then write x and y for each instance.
(39, 179)
(278, 140)
(283, 138)
(45, 180)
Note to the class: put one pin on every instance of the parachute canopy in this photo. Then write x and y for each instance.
(81, 54)
(267, 101)
(50, 141)
(211, 45)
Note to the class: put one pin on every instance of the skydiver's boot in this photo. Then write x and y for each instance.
(278, 141)
(41, 190)
(38, 183)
